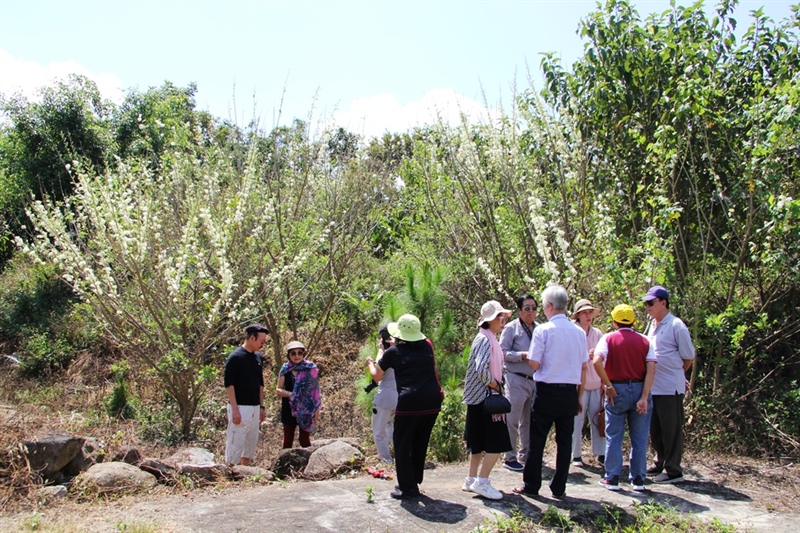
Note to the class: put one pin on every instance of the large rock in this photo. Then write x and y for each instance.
(332, 459)
(50, 453)
(90, 454)
(291, 461)
(209, 473)
(240, 472)
(191, 456)
(128, 454)
(198, 463)
(164, 472)
(115, 476)
(52, 492)
(352, 441)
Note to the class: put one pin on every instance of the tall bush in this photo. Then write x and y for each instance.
(174, 264)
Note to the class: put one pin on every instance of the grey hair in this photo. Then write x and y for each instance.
(557, 296)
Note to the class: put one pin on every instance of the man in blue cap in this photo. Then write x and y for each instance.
(675, 353)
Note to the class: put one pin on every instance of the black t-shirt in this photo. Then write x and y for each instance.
(244, 370)
(418, 390)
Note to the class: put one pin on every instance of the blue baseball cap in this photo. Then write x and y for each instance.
(656, 292)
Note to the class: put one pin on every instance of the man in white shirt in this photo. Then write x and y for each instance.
(558, 355)
(673, 346)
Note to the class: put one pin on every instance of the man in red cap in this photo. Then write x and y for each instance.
(673, 346)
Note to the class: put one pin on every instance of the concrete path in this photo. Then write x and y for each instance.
(341, 505)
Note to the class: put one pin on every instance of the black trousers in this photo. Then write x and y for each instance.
(411, 436)
(553, 405)
(666, 433)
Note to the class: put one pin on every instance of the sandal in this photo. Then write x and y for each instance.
(521, 490)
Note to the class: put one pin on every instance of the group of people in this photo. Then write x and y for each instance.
(577, 372)
(557, 373)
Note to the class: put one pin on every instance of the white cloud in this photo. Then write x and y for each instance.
(374, 116)
(26, 77)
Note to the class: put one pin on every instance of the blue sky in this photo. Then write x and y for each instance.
(370, 66)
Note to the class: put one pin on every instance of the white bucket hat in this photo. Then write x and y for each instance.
(490, 310)
(295, 345)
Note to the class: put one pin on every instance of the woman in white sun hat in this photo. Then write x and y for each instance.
(486, 434)
(583, 315)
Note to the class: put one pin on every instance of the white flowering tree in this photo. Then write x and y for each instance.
(174, 265)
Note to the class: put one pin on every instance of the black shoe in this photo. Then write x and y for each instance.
(654, 470)
(560, 496)
(514, 466)
(610, 483)
(404, 495)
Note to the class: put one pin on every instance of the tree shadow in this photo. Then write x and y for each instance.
(431, 510)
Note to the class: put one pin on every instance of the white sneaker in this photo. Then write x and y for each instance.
(467, 486)
(486, 490)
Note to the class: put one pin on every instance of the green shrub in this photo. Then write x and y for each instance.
(32, 297)
(40, 355)
(119, 404)
(161, 423)
(447, 443)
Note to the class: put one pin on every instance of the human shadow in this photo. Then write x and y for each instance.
(432, 510)
(714, 490)
(582, 478)
(515, 503)
(666, 499)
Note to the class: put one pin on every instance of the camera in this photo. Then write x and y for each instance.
(385, 339)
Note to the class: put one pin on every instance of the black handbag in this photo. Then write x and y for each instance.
(496, 404)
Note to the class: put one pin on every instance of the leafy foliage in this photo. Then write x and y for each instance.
(446, 443)
(40, 143)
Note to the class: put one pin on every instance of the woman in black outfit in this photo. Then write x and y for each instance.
(418, 403)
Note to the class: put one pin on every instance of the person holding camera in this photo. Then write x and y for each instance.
(385, 402)
(419, 400)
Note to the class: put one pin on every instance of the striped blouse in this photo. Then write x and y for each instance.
(478, 377)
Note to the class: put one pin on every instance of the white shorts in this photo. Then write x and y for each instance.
(241, 439)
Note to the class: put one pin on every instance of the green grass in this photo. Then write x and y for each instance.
(651, 517)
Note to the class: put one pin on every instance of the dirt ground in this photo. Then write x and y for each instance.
(750, 495)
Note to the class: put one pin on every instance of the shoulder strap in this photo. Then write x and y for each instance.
(435, 367)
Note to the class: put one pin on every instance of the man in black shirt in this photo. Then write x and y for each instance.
(244, 385)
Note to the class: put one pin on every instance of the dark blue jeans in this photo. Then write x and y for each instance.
(624, 410)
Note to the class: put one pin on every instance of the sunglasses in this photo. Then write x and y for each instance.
(650, 303)
(529, 308)
(296, 352)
